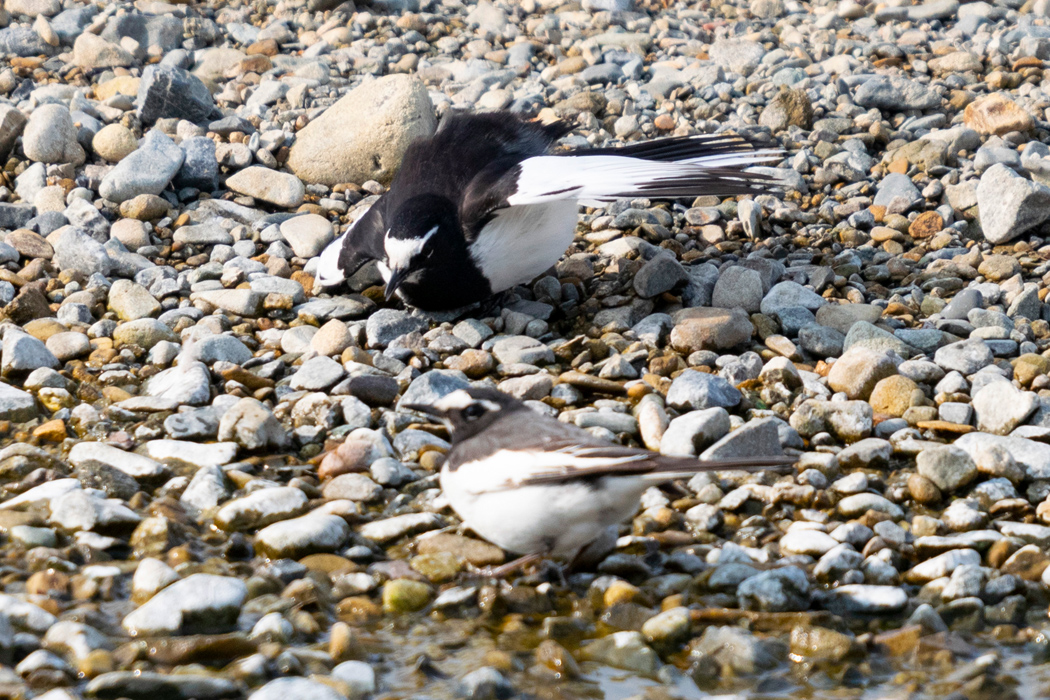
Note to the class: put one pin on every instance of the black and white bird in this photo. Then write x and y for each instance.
(542, 488)
(482, 206)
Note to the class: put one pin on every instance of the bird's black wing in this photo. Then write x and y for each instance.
(364, 242)
(675, 148)
(679, 166)
(499, 142)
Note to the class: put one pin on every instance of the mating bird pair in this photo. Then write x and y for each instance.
(482, 206)
(552, 489)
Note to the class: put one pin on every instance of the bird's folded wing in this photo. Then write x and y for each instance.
(605, 178)
(362, 243)
(676, 148)
(575, 462)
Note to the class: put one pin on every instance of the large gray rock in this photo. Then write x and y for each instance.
(779, 590)
(295, 689)
(173, 93)
(386, 325)
(692, 390)
(19, 40)
(165, 31)
(76, 250)
(50, 136)
(147, 170)
(1001, 407)
(948, 466)
(280, 189)
(260, 508)
(897, 193)
(219, 348)
(16, 405)
(965, 357)
(433, 385)
(896, 94)
(364, 135)
(300, 537)
(187, 383)
(1009, 205)
(738, 287)
(252, 426)
(738, 55)
(756, 438)
(692, 432)
(790, 293)
(1032, 456)
(198, 603)
(24, 353)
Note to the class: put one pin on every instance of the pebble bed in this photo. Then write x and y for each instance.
(208, 489)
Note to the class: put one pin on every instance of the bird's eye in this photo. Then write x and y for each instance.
(473, 411)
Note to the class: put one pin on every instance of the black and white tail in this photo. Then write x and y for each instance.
(684, 166)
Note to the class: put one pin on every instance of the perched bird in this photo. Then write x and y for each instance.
(542, 488)
(481, 206)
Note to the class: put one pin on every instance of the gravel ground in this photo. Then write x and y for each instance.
(209, 491)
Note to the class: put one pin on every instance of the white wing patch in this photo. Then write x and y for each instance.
(606, 178)
(522, 242)
(400, 251)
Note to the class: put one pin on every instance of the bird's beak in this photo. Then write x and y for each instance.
(397, 278)
(426, 409)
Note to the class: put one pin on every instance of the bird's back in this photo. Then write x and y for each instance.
(464, 146)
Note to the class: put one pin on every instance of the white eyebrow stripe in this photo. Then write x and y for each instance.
(400, 251)
(457, 399)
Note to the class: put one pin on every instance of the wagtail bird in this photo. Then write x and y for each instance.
(482, 206)
(542, 488)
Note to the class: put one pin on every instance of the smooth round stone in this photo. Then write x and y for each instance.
(405, 595)
(29, 537)
(332, 338)
(114, 142)
(203, 602)
(277, 188)
(308, 234)
(295, 688)
(299, 537)
(67, 346)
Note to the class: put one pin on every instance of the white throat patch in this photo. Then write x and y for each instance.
(400, 251)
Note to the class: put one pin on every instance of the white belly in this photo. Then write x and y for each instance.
(557, 520)
(523, 242)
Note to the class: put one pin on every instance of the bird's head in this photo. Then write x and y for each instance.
(420, 227)
(468, 411)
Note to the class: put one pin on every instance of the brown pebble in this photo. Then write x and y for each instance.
(926, 224)
(664, 122)
(922, 490)
(1000, 551)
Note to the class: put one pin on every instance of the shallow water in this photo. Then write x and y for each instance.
(427, 659)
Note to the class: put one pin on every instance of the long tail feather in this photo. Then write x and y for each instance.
(676, 148)
(658, 469)
(604, 178)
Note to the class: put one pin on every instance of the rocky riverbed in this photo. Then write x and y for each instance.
(209, 491)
